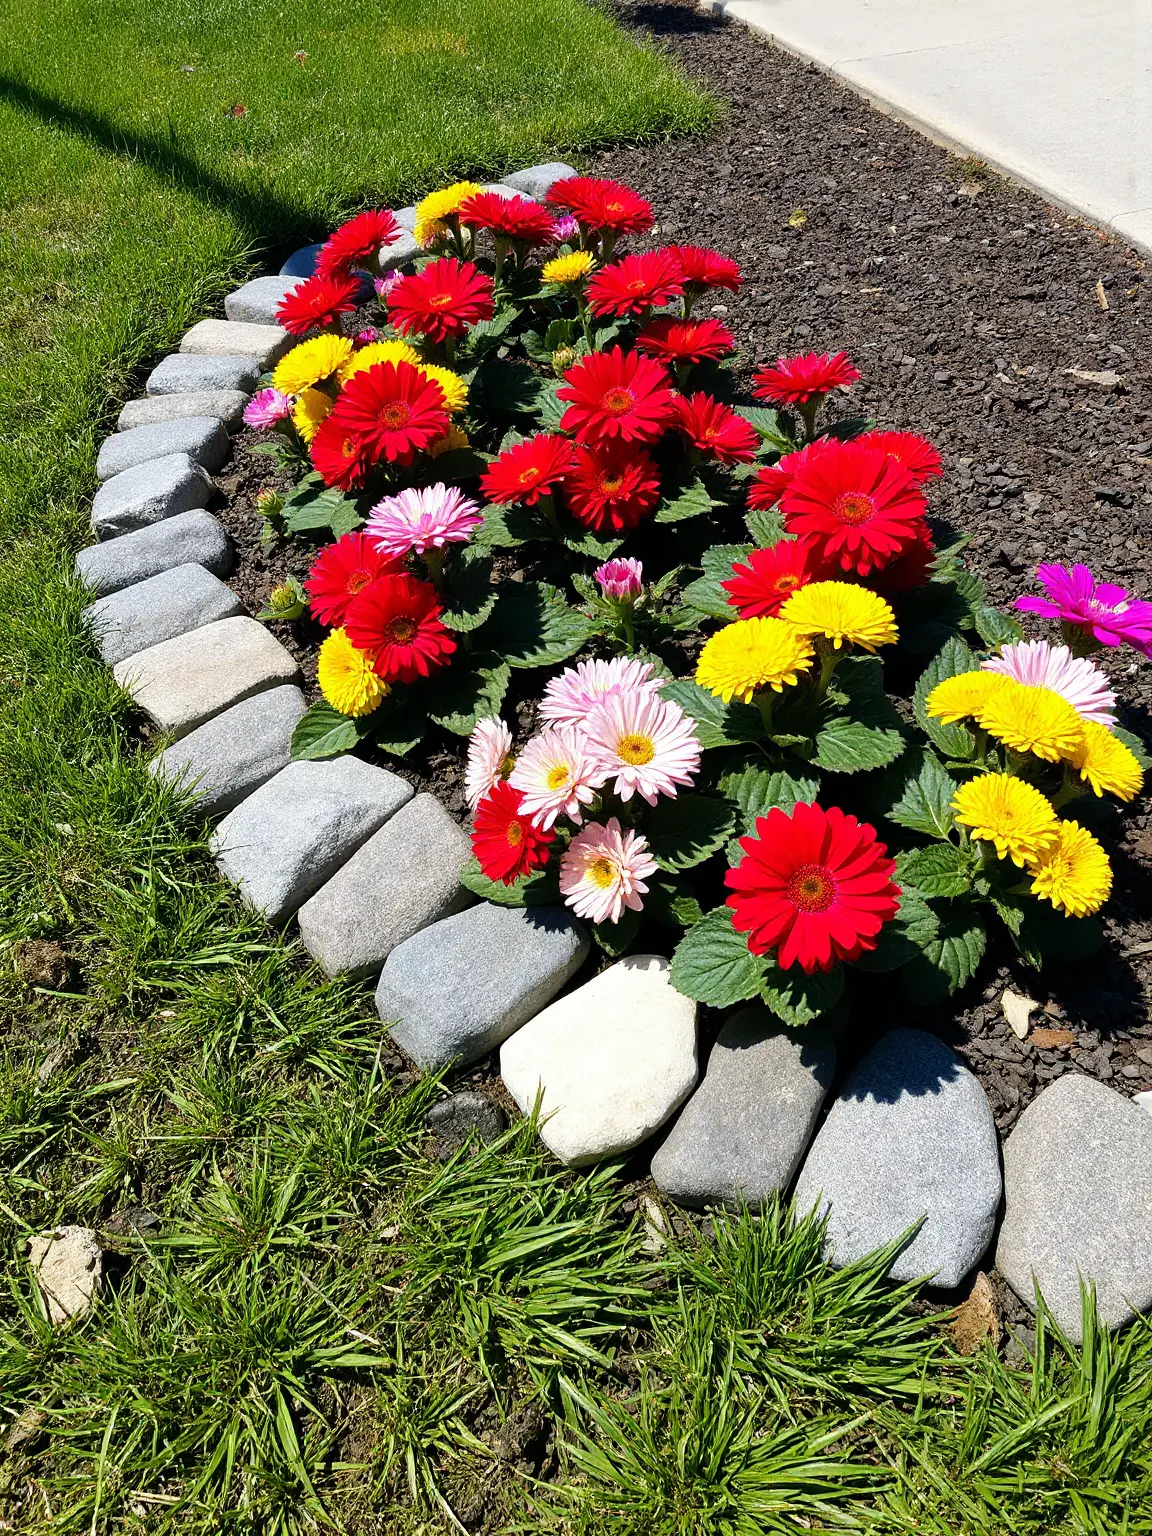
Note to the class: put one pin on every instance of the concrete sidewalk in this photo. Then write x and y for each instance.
(1057, 94)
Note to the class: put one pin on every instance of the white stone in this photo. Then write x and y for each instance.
(147, 494)
(182, 682)
(237, 338)
(1018, 1011)
(68, 1263)
(613, 1060)
(182, 373)
(1144, 1100)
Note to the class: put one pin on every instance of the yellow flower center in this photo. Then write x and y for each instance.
(401, 630)
(811, 888)
(854, 507)
(602, 872)
(558, 776)
(439, 301)
(636, 749)
(616, 401)
(514, 834)
(357, 582)
(611, 481)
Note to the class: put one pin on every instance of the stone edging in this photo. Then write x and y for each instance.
(370, 871)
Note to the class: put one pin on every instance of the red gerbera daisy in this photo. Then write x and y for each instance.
(796, 380)
(397, 618)
(616, 394)
(442, 300)
(703, 268)
(684, 341)
(604, 206)
(910, 569)
(857, 505)
(394, 409)
(339, 455)
(768, 580)
(769, 484)
(528, 470)
(359, 240)
(815, 885)
(339, 572)
(511, 218)
(911, 451)
(715, 429)
(505, 842)
(320, 300)
(635, 283)
(611, 487)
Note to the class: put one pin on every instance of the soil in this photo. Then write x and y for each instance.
(966, 302)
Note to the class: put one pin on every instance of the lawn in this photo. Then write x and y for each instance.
(313, 1322)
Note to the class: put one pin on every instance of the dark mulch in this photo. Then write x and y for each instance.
(964, 300)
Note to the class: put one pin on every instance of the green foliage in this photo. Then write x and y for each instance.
(954, 741)
(535, 627)
(688, 829)
(712, 963)
(323, 731)
(693, 501)
(923, 792)
(534, 890)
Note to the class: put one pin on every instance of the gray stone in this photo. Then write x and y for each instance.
(294, 832)
(226, 405)
(148, 494)
(404, 877)
(203, 438)
(911, 1136)
(237, 338)
(1078, 1202)
(405, 217)
(224, 760)
(68, 1264)
(501, 188)
(257, 301)
(169, 604)
(463, 1117)
(180, 683)
(301, 263)
(402, 250)
(535, 180)
(741, 1135)
(181, 374)
(461, 987)
(191, 536)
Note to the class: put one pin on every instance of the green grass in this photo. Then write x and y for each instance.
(318, 1327)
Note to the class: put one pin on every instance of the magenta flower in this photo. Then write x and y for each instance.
(621, 579)
(564, 229)
(384, 285)
(1075, 597)
(422, 520)
(365, 337)
(266, 408)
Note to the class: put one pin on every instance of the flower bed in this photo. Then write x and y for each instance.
(788, 727)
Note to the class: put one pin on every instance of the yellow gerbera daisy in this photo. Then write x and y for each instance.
(311, 363)
(431, 211)
(962, 696)
(346, 677)
(999, 809)
(842, 613)
(753, 654)
(1031, 719)
(454, 387)
(429, 232)
(1074, 874)
(453, 438)
(378, 352)
(573, 267)
(309, 411)
(1107, 763)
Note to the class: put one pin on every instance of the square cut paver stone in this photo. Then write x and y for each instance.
(535, 180)
(293, 833)
(203, 438)
(227, 758)
(404, 877)
(181, 373)
(148, 494)
(257, 301)
(459, 988)
(182, 682)
(169, 604)
(193, 536)
(237, 338)
(226, 405)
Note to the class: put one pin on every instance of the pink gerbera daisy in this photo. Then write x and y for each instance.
(420, 520)
(266, 408)
(604, 870)
(1074, 678)
(644, 743)
(555, 776)
(621, 580)
(569, 697)
(490, 759)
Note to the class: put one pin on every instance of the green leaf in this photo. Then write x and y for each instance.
(693, 501)
(614, 938)
(707, 595)
(318, 510)
(507, 527)
(549, 407)
(949, 960)
(582, 541)
(845, 746)
(859, 681)
(345, 518)
(797, 998)
(470, 596)
(469, 691)
(767, 424)
(535, 890)
(955, 741)
(925, 793)
(1009, 909)
(758, 790)
(942, 870)
(534, 627)
(502, 388)
(456, 464)
(717, 724)
(399, 724)
(1047, 936)
(671, 901)
(713, 965)
(996, 628)
(322, 731)
(766, 528)
(688, 829)
(1137, 748)
(905, 937)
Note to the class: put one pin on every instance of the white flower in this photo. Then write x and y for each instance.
(489, 759)
(555, 777)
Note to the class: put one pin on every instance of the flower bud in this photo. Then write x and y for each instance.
(562, 360)
(621, 580)
(269, 503)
